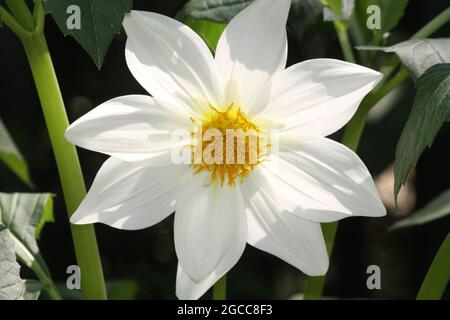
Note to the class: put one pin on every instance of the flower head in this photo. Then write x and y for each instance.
(274, 201)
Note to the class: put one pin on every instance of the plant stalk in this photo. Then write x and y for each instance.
(38, 55)
(438, 275)
(220, 289)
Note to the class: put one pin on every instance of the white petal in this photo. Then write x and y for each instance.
(209, 221)
(171, 61)
(297, 241)
(131, 128)
(318, 96)
(251, 49)
(130, 197)
(321, 180)
(188, 289)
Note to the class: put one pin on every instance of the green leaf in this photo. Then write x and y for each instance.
(11, 286)
(215, 10)
(430, 110)
(11, 156)
(22, 213)
(303, 13)
(99, 21)
(436, 209)
(420, 55)
(46, 216)
(391, 12)
(209, 31)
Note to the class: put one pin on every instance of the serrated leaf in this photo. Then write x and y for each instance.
(12, 287)
(436, 209)
(100, 20)
(11, 156)
(430, 110)
(209, 31)
(391, 11)
(21, 213)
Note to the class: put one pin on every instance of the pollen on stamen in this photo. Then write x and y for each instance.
(227, 145)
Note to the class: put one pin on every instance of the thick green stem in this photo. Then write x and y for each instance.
(71, 177)
(220, 289)
(438, 275)
(29, 29)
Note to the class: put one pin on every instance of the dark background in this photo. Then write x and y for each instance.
(147, 257)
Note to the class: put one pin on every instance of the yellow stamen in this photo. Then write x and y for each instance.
(235, 121)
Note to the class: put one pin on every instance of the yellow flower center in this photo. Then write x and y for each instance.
(227, 145)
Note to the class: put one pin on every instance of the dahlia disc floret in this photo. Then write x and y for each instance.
(274, 198)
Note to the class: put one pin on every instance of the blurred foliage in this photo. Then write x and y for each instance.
(11, 156)
(391, 14)
(436, 209)
(116, 290)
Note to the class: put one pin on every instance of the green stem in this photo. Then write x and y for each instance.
(35, 263)
(432, 26)
(344, 41)
(353, 131)
(438, 275)
(315, 285)
(358, 37)
(11, 23)
(22, 13)
(69, 169)
(220, 289)
(47, 283)
(43, 276)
